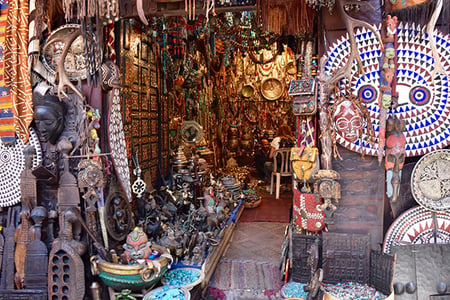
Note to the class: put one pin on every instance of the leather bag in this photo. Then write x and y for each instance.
(305, 162)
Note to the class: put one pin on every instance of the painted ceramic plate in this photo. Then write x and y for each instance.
(430, 181)
(418, 226)
(12, 163)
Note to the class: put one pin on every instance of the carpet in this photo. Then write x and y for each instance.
(246, 279)
(271, 209)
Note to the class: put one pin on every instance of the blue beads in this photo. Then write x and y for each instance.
(295, 290)
(353, 291)
(167, 293)
(181, 277)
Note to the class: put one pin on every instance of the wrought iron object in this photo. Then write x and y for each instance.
(37, 254)
(66, 268)
(139, 185)
(118, 215)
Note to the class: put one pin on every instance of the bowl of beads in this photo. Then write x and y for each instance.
(183, 277)
(294, 290)
(251, 198)
(168, 293)
(353, 290)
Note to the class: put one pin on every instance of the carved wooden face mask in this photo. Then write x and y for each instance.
(395, 156)
(348, 121)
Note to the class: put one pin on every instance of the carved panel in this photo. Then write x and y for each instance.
(361, 208)
(300, 246)
(345, 257)
(140, 96)
(381, 271)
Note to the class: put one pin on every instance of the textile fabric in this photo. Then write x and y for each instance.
(17, 78)
(7, 129)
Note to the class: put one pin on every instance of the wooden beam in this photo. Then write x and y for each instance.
(128, 9)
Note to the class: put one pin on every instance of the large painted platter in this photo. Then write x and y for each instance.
(418, 226)
(12, 163)
(423, 98)
(430, 181)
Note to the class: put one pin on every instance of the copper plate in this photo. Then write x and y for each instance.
(247, 91)
(271, 88)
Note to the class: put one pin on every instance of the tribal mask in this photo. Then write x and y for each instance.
(395, 156)
(348, 121)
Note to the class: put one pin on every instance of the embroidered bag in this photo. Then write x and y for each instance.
(305, 212)
(305, 162)
(304, 92)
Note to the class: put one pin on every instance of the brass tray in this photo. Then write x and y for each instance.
(272, 88)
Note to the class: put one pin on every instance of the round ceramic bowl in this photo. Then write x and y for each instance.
(185, 277)
(168, 293)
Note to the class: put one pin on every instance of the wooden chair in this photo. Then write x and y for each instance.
(281, 168)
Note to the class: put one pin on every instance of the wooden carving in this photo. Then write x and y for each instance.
(37, 254)
(66, 268)
(325, 137)
(22, 238)
(7, 278)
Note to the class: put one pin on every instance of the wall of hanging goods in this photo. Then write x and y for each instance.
(145, 115)
(130, 133)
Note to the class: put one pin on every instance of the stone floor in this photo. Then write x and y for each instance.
(249, 269)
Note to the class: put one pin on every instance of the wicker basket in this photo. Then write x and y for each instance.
(252, 204)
